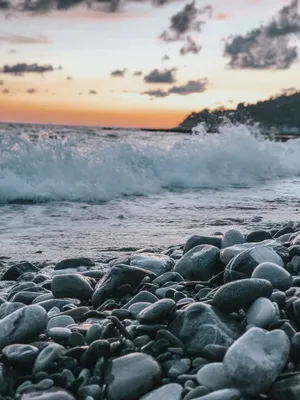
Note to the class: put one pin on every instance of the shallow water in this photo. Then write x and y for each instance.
(70, 191)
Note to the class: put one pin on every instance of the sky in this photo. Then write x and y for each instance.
(141, 63)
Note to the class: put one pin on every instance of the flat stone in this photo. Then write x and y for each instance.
(74, 263)
(153, 262)
(199, 325)
(22, 325)
(232, 237)
(256, 359)
(130, 377)
(262, 313)
(199, 263)
(171, 391)
(213, 376)
(71, 285)
(243, 265)
(115, 277)
(274, 273)
(241, 294)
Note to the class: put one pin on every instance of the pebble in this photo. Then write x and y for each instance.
(197, 240)
(141, 297)
(136, 308)
(59, 334)
(213, 377)
(180, 367)
(52, 394)
(20, 354)
(232, 237)
(224, 394)
(130, 377)
(156, 312)
(74, 263)
(47, 356)
(157, 263)
(256, 359)
(262, 313)
(60, 321)
(275, 274)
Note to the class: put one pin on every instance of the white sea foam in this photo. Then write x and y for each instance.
(53, 169)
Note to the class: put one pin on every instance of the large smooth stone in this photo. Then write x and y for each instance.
(199, 325)
(71, 285)
(200, 263)
(274, 273)
(15, 271)
(171, 391)
(286, 389)
(130, 377)
(22, 325)
(47, 356)
(117, 276)
(8, 308)
(231, 238)
(197, 240)
(157, 263)
(239, 294)
(74, 263)
(262, 313)
(242, 265)
(255, 360)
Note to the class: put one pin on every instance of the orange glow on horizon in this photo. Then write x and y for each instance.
(16, 111)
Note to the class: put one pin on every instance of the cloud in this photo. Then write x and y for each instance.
(31, 91)
(165, 76)
(23, 68)
(185, 22)
(222, 16)
(1, 82)
(69, 78)
(22, 39)
(190, 87)
(137, 73)
(13, 51)
(118, 73)
(166, 57)
(4, 5)
(190, 46)
(269, 46)
(92, 92)
(5, 91)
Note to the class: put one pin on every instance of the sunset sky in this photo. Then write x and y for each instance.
(135, 66)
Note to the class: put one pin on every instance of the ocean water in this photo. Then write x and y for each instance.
(77, 191)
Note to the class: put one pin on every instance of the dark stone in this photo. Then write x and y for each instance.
(15, 271)
(117, 276)
(286, 389)
(199, 325)
(277, 275)
(167, 277)
(71, 285)
(241, 294)
(157, 263)
(74, 263)
(50, 354)
(258, 236)
(54, 393)
(196, 240)
(95, 350)
(20, 355)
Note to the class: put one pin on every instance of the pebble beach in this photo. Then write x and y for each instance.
(216, 318)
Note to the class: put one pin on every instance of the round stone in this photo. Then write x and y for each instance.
(130, 377)
(241, 294)
(158, 311)
(47, 356)
(171, 391)
(59, 334)
(136, 308)
(71, 285)
(262, 313)
(274, 273)
(231, 238)
(213, 376)
(60, 321)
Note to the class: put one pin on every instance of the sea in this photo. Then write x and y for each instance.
(94, 192)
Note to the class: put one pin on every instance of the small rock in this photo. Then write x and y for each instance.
(179, 368)
(262, 313)
(136, 308)
(141, 297)
(52, 394)
(71, 285)
(171, 391)
(157, 263)
(213, 377)
(158, 311)
(232, 237)
(47, 356)
(74, 263)
(224, 394)
(196, 240)
(15, 271)
(60, 321)
(258, 236)
(20, 354)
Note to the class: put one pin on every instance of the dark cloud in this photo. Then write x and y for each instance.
(23, 68)
(269, 46)
(137, 73)
(13, 51)
(92, 92)
(22, 39)
(189, 88)
(185, 22)
(288, 91)
(118, 73)
(166, 57)
(4, 5)
(31, 91)
(69, 78)
(165, 76)
(5, 91)
(190, 46)
(156, 93)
